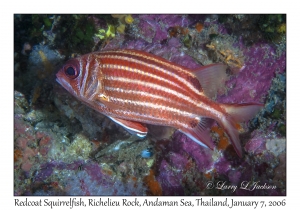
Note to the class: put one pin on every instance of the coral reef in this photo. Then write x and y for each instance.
(47, 162)
(123, 20)
(63, 147)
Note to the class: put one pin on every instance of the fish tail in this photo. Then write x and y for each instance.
(237, 113)
(212, 78)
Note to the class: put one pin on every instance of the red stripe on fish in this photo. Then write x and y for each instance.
(133, 87)
(155, 65)
(155, 87)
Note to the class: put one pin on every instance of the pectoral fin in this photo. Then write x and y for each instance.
(160, 132)
(132, 127)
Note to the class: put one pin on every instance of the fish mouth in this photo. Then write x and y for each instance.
(57, 80)
(62, 82)
(65, 84)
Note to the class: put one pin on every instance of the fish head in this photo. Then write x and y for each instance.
(82, 77)
(70, 76)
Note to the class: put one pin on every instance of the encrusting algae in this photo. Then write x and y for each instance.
(199, 26)
(228, 56)
(80, 147)
(223, 140)
(153, 185)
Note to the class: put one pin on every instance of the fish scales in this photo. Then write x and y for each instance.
(134, 87)
(119, 72)
(144, 80)
(159, 68)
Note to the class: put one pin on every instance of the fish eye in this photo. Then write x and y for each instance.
(71, 72)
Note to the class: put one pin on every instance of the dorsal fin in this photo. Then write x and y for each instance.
(212, 78)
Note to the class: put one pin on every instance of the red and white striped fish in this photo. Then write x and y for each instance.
(135, 88)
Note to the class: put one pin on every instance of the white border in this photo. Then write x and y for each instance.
(8, 8)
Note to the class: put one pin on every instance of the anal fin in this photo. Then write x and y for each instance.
(200, 133)
(132, 127)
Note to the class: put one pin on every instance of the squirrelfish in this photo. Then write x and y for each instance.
(135, 88)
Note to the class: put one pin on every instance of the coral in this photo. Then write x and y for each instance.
(225, 52)
(276, 146)
(32, 143)
(178, 31)
(199, 26)
(169, 181)
(269, 25)
(281, 28)
(80, 147)
(41, 65)
(129, 19)
(44, 59)
(46, 163)
(254, 81)
(109, 33)
(273, 116)
(255, 145)
(83, 183)
(82, 118)
(89, 180)
(128, 156)
(280, 172)
(123, 20)
(17, 155)
(153, 185)
(255, 28)
(121, 29)
(20, 103)
(77, 31)
(223, 140)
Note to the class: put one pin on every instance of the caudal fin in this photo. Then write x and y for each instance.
(237, 113)
(212, 78)
(242, 112)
